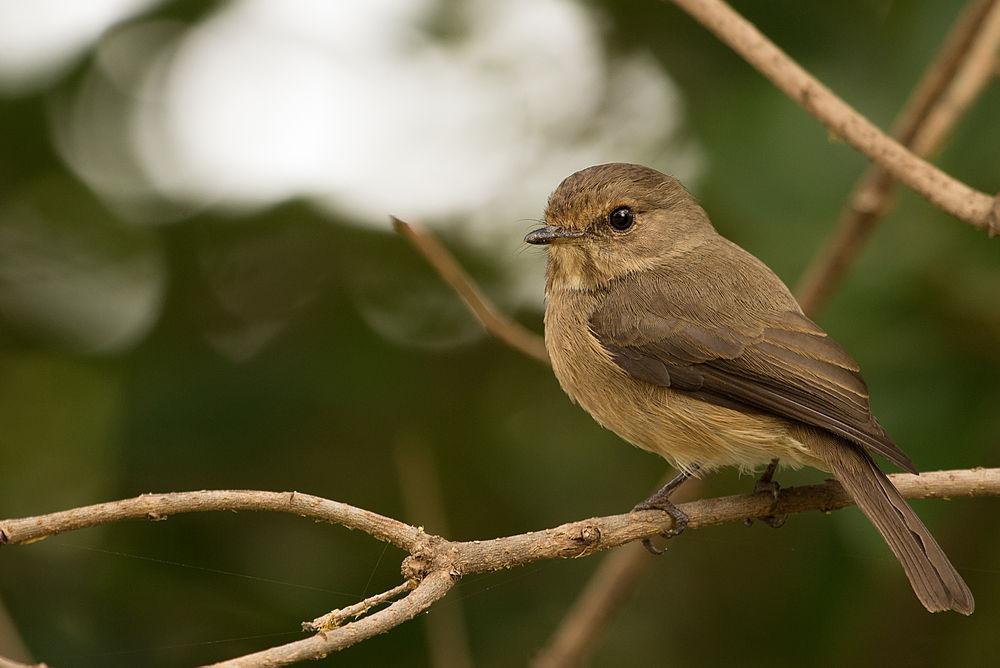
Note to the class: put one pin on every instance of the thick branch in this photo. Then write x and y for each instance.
(581, 538)
(437, 563)
(958, 199)
(954, 79)
(160, 506)
(512, 333)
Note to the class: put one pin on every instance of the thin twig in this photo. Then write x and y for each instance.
(438, 563)
(976, 208)
(512, 333)
(959, 72)
(970, 79)
(332, 620)
(431, 589)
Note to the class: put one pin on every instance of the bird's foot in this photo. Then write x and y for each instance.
(679, 517)
(660, 500)
(767, 484)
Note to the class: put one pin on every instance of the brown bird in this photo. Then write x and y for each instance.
(688, 346)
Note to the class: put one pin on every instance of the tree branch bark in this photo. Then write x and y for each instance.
(437, 563)
(336, 618)
(156, 507)
(951, 83)
(976, 208)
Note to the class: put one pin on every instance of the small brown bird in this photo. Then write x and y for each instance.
(688, 346)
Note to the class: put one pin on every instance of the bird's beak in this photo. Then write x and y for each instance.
(551, 233)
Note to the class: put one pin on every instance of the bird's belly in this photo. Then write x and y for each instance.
(691, 433)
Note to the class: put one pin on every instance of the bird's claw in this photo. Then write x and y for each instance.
(652, 549)
(676, 514)
(767, 484)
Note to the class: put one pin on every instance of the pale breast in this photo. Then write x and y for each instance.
(682, 429)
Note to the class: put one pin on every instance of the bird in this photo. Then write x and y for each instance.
(688, 346)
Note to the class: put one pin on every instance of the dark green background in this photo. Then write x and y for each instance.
(324, 406)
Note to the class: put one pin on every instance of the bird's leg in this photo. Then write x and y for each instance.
(660, 500)
(767, 483)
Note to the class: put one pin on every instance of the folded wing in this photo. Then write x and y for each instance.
(739, 352)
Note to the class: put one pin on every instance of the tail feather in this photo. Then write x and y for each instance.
(934, 580)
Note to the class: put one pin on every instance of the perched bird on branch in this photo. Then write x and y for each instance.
(688, 346)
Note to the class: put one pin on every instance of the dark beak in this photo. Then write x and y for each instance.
(550, 233)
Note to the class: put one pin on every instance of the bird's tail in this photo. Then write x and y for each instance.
(934, 580)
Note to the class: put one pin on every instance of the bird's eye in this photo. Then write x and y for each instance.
(621, 218)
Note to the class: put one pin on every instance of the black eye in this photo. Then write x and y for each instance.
(621, 218)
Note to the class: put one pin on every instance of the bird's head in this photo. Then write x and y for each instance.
(611, 220)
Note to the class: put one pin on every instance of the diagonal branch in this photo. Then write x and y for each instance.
(430, 590)
(512, 333)
(336, 618)
(976, 208)
(437, 563)
(954, 79)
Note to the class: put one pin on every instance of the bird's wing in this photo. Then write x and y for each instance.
(725, 347)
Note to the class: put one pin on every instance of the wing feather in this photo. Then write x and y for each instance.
(739, 354)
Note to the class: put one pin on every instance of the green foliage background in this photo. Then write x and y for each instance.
(322, 408)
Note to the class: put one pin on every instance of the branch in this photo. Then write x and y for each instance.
(976, 208)
(512, 333)
(951, 83)
(437, 563)
(431, 588)
(156, 507)
(332, 620)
